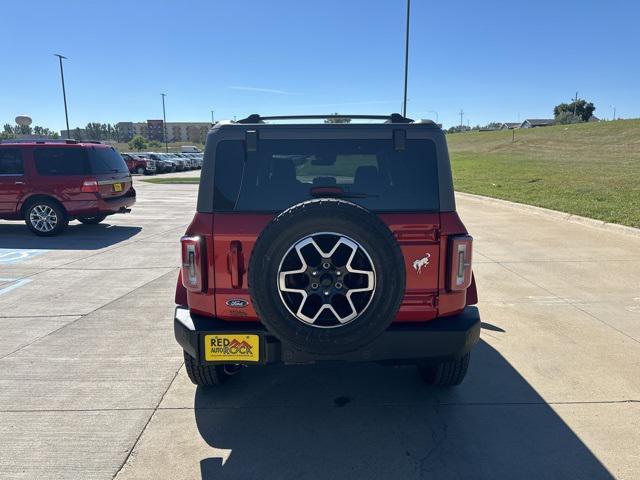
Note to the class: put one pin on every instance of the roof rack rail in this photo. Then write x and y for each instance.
(393, 118)
(40, 140)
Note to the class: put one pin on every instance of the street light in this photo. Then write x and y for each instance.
(164, 125)
(64, 92)
(406, 60)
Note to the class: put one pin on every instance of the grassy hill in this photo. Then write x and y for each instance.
(590, 169)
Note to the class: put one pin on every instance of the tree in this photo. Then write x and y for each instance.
(115, 133)
(94, 131)
(138, 143)
(338, 119)
(7, 132)
(77, 134)
(155, 144)
(579, 108)
(459, 129)
(567, 118)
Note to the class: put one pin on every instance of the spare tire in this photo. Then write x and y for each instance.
(326, 276)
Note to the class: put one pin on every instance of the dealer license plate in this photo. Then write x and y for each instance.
(230, 347)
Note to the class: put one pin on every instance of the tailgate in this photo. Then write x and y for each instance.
(114, 187)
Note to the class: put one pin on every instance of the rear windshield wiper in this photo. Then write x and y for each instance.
(337, 192)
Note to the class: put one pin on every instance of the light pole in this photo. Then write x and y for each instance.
(64, 92)
(212, 122)
(406, 60)
(164, 125)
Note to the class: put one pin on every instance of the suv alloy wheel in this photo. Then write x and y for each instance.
(45, 218)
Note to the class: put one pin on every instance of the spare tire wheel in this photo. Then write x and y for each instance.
(326, 276)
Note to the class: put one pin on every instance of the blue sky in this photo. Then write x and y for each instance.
(499, 61)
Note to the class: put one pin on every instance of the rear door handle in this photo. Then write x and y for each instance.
(235, 264)
(19, 183)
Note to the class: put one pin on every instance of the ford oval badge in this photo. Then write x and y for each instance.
(236, 303)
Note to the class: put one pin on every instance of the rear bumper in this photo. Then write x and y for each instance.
(106, 206)
(437, 340)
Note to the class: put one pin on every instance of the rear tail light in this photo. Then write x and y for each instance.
(460, 262)
(90, 185)
(192, 263)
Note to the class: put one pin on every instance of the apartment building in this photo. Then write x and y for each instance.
(194, 132)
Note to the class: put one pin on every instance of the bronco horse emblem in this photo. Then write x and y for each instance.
(422, 262)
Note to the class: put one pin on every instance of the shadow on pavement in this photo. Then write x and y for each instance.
(369, 421)
(75, 237)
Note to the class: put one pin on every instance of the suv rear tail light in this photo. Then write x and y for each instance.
(192, 263)
(90, 185)
(460, 262)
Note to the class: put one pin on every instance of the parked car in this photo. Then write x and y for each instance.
(189, 149)
(49, 183)
(191, 162)
(163, 164)
(181, 163)
(139, 164)
(318, 242)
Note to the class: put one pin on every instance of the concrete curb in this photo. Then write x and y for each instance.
(567, 217)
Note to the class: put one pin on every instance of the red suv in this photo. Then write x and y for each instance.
(49, 183)
(335, 241)
(138, 164)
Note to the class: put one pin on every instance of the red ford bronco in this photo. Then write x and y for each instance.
(334, 241)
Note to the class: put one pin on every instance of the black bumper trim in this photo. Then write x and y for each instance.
(436, 340)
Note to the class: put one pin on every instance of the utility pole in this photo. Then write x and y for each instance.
(64, 92)
(575, 104)
(614, 111)
(406, 60)
(461, 114)
(212, 122)
(164, 125)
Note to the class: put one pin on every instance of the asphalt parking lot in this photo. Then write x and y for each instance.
(92, 383)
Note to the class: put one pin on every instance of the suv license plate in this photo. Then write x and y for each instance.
(117, 187)
(232, 348)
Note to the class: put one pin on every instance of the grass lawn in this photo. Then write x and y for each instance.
(174, 180)
(590, 169)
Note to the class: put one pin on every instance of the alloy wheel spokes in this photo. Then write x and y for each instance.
(333, 284)
(43, 218)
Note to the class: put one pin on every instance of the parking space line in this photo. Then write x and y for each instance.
(8, 255)
(13, 286)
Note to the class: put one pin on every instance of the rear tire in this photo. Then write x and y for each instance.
(93, 220)
(45, 217)
(445, 374)
(209, 375)
(141, 170)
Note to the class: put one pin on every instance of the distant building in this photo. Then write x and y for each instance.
(193, 132)
(155, 130)
(509, 125)
(75, 133)
(536, 122)
(126, 131)
(593, 118)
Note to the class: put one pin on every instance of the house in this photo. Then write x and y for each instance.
(536, 122)
(593, 118)
(509, 125)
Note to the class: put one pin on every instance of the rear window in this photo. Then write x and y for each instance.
(282, 173)
(11, 161)
(61, 161)
(106, 160)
